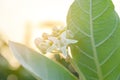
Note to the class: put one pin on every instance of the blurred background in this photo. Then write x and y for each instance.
(24, 20)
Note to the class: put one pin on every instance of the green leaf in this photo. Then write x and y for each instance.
(96, 26)
(41, 66)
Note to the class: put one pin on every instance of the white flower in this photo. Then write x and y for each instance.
(42, 45)
(60, 43)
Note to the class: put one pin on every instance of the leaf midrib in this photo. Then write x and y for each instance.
(99, 73)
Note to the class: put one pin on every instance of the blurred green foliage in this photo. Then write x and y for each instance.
(6, 73)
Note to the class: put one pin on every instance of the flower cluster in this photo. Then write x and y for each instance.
(57, 41)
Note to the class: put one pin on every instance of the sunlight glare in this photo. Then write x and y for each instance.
(14, 14)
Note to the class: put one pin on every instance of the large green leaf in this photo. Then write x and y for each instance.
(96, 26)
(42, 67)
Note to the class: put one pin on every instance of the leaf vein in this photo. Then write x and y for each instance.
(110, 55)
(111, 70)
(103, 41)
(100, 14)
(80, 29)
(86, 66)
(78, 2)
(83, 52)
(99, 72)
